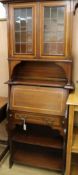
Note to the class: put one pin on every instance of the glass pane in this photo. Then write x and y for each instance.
(47, 36)
(53, 25)
(23, 18)
(61, 14)
(53, 30)
(60, 27)
(23, 25)
(29, 13)
(50, 48)
(17, 19)
(17, 36)
(29, 25)
(17, 48)
(50, 37)
(29, 37)
(23, 30)
(60, 36)
(29, 48)
(47, 12)
(47, 24)
(54, 37)
(17, 25)
(23, 36)
(23, 48)
(54, 13)
(60, 48)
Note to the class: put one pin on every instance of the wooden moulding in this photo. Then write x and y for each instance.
(13, 1)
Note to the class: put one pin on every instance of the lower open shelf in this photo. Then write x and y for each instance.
(38, 135)
(37, 156)
(38, 146)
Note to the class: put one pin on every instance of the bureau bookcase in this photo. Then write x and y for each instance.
(40, 78)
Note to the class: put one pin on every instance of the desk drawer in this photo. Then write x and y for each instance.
(55, 122)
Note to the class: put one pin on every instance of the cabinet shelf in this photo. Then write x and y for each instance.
(38, 157)
(39, 136)
(75, 141)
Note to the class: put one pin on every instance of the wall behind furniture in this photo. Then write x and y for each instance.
(3, 59)
(4, 54)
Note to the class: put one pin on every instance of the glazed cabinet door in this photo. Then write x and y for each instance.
(22, 30)
(55, 29)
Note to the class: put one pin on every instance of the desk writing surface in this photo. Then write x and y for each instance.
(73, 99)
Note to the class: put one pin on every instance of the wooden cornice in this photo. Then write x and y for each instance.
(13, 1)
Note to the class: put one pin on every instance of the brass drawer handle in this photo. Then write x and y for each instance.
(24, 124)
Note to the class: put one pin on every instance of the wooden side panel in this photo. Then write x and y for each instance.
(39, 99)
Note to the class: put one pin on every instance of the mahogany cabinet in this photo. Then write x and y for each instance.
(40, 79)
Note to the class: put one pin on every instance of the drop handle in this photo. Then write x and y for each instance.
(24, 125)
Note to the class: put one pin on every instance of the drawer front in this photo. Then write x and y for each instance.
(41, 100)
(55, 122)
